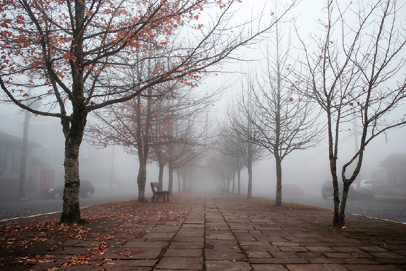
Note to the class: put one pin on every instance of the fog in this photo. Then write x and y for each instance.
(111, 170)
(307, 168)
(112, 167)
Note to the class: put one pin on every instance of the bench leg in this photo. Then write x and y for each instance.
(163, 196)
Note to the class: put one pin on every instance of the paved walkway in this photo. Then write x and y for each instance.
(224, 233)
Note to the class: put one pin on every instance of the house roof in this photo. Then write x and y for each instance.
(14, 141)
(394, 160)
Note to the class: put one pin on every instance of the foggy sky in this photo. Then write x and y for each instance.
(309, 168)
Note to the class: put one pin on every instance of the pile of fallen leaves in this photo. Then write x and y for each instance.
(32, 241)
(29, 241)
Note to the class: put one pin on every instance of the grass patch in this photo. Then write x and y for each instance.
(270, 203)
(349, 231)
(366, 231)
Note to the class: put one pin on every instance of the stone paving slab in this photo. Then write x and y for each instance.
(227, 265)
(227, 233)
(190, 252)
(180, 263)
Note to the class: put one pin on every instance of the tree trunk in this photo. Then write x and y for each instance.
(184, 181)
(336, 197)
(341, 216)
(277, 143)
(141, 180)
(232, 190)
(178, 180)
(249, 190)
(332, 152)
(239, 182)
(170, 185)
(73, 139)
(161, 175)
(143, 148)
(278, 162)
(71, 210)
(73, 129)
(347, 182)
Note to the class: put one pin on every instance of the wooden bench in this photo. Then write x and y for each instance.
(158, 193)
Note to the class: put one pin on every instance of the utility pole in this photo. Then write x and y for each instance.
(23, 166)
(24, 151)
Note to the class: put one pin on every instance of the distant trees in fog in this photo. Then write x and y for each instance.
(269, 115)
(170, 130)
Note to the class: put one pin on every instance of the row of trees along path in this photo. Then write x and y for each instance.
(72, 55)
(351, 69)
(134, 58)
(170, 129)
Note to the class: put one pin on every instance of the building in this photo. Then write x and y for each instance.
(393, 172)
(10, 166)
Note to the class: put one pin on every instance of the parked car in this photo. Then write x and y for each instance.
(327, 190)
(376, 187)
(86, 190)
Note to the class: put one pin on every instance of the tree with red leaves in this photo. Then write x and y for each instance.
(181, 135)
(166, 129)
(73, 53)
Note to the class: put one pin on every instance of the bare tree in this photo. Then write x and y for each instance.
(280, 121)
(224, 168)
(184, 130)
(243, 150)
(355, 69)
(129, 123)
(188, 145)
(169, 126)
(239, 120)
(71, 54)
(231, 148)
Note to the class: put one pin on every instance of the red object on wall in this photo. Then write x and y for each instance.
(46, 181)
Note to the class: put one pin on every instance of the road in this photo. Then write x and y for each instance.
(36, 206)
(390, 208)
